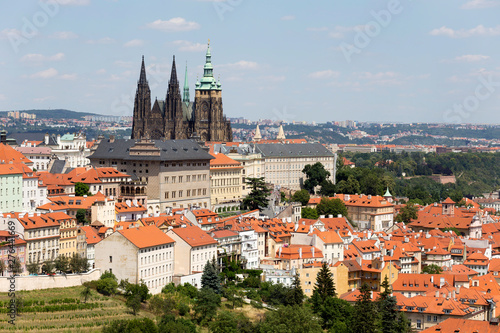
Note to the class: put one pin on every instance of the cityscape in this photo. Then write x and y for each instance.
(183, 172)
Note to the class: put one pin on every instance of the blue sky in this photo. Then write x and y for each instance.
(322, 60)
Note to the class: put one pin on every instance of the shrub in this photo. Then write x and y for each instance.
(107, 286)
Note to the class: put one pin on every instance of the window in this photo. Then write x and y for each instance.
(110, 259)
(419, 323)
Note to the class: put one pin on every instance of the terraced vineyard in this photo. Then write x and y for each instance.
(63, 310)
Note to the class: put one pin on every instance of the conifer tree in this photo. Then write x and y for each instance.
(210, 278)
(323, 288)
(365, 313)
(296, 292)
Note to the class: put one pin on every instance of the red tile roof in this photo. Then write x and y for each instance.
(194, 236)
(451, 325)
(91, 235)
(149, 236)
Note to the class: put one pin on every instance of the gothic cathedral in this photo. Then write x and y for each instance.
(179, 118)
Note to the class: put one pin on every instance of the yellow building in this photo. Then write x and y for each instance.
(67, 238)
(225, 182)
(309, 273)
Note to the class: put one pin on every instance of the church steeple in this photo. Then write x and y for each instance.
(185, 95)
(173, 74)
(208, 81)
(142, 77)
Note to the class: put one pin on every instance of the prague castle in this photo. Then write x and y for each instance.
(177, 117)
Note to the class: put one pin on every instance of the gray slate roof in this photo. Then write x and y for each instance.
(58, 166)
(292, 150)
(171, 150)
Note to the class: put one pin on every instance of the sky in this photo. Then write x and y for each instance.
(322, 60)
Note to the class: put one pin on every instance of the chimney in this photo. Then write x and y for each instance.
(441, 282)
(432, 279)
(300, 252)
(322, 216)
(437, 293)
(458, 290)
(279, 255)
(46, 138)
(330, 216)
(453, 295)
(111, 138)
(339, 215)
(369, 196)
(312, 250)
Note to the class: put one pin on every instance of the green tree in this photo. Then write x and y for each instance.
(82, 189)
(331, 207)
(328, 188)
(210, 278)
(309, 213)
(107, 286)
(144, 325)
(257, 198)
(33, 268)
(229, 322)
(136, 289)
(2, 267)
(301, 196)
(134, 303)
(48, 267)
(290, 319)
(432, 269)
(85, 293)
(407, 213)
(296, 293)
(62, 263)
(206, 305)
(160, 305)
(81, 216)
(324, 287)
(233, 296)
(365, 313)
(349, 186)
(316, 174)
(15, 266)
(170, 324)
(336, 315)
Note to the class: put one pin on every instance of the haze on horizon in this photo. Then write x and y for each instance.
(398, 61)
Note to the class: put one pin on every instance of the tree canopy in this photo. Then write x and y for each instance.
(257, 198)
(316, 174)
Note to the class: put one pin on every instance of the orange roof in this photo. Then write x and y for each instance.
(421, 282)
(193, 235)
(294, 252)
(10, 155)
(91, 235)
(148, 236)
(123, 207)
(223, 161)
(451, 325)
(224, 234)
(448, 201)
(355, 200)
(164, 220)
(94, 175)
(10, 169)
(72, 202)
(41, 220)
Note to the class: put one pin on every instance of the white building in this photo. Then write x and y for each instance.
(72, 148)
(143, 254)
(40, 156)
(34, 192)
(193, 248)
(249, 248)
(330, 243)
(92, 238)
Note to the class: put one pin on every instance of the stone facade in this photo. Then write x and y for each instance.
(177, 117)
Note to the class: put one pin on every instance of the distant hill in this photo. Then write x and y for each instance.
(54, 114)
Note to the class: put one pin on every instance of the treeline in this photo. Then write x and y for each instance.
(406, 174)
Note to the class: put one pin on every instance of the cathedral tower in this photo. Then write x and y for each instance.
(142, 104)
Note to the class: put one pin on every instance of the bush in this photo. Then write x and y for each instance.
(183, 309)
(108, 274)
(107, 286)
(257, 305)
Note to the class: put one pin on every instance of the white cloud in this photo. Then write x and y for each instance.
(324, 74)
(46, 74)
(43, 99)
(380, 78)
(187, 46)
(68, 77)
(173, 25)
(39, 58)
(64, 35)
(4, 34)
(134, 43)
(101, 71)
(288, 18)
(2, 97)
(105, 40)
(70, 2)
(479, 4)
(242, 64)
(471, 58)
(480, 30)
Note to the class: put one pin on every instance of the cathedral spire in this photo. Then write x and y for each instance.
(142, 78)
(185, 96)
(173, 74)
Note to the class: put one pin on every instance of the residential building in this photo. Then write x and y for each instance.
(40, 156)
(91, 238)
(193, 248)
(225, 182)
(6, 246)
(72, 148)
(146, 255)
(11, 188)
